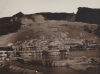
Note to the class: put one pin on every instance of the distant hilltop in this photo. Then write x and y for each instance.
(13, 24)
(58, 16)
(84, 14)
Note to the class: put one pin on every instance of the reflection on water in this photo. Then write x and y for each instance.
(46, 70)
(39, 57)
(60, 70)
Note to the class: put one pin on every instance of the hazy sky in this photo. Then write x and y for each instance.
(10, 7)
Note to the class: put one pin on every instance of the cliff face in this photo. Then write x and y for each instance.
(88, 15)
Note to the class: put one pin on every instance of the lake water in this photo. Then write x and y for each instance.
(57, 70)
(51, 70)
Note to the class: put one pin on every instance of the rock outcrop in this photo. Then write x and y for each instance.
(88, 15)
(58, 16)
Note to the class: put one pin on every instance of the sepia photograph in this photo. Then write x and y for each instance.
(49, 36)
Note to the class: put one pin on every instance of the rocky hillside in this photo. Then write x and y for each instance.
(28, 28)
(55, 33)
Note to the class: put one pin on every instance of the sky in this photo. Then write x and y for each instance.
(11, 7)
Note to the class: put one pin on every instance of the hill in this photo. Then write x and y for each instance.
(21, 27)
